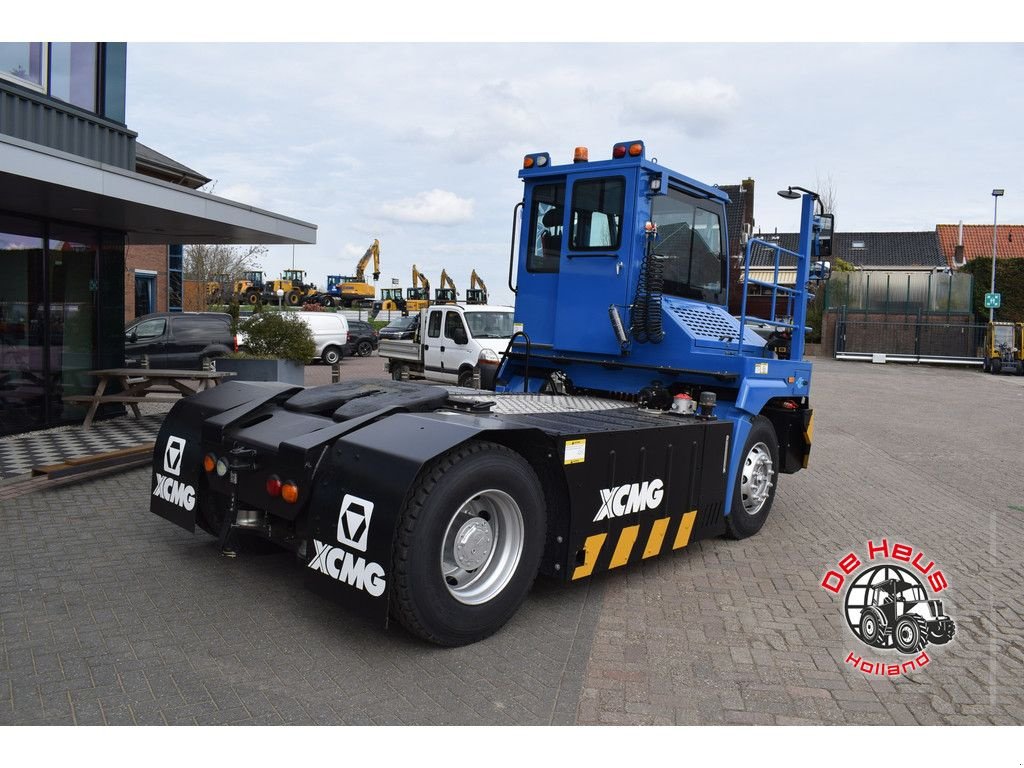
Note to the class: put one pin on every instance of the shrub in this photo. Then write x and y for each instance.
(278, 335)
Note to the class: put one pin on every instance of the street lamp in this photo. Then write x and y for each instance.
(280, 295)
(996, 194)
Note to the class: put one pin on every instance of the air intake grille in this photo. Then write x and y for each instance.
(705, 323)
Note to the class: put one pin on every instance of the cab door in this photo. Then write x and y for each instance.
(433, 342)
(595, 264)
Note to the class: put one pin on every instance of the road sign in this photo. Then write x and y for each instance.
(993, 300)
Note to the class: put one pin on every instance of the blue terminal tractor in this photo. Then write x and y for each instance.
(631, 415)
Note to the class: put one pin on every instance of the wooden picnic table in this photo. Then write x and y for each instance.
(151, 385)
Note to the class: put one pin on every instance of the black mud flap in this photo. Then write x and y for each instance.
(178, 452)
(360, 489)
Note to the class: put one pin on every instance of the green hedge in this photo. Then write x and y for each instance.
(1009, 283)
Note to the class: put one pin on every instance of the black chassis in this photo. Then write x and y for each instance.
(594, 468)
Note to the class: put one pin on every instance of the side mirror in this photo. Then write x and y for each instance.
(824, 224)
(133, 336)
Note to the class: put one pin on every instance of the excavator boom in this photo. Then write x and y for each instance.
(372, 252)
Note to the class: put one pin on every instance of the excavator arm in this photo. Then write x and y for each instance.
(446, 281)
(372, 252)
(476, 283)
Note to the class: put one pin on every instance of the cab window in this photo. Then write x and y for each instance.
(597, 206)
(434, 325)
(689, 240)
(546, 216)
(148, 329)
(452, 325)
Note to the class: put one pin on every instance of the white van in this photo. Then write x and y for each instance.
(330, 334)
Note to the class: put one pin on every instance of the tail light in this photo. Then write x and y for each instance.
(349, 336)
(290, 492)
(209, 462)
(273, 486)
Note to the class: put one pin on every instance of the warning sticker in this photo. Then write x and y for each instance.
(760, 367)
(575, 451)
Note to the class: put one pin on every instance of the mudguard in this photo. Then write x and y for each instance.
(360, 489)
(178, 452)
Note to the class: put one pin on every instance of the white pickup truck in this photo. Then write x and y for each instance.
(452, 340)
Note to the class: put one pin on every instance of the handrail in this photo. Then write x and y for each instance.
(797, 292)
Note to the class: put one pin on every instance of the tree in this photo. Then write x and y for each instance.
(825, 186)
(202, 262)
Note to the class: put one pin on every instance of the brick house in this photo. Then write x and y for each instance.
(153, 273)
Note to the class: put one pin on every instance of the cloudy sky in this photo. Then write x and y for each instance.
(419, 144)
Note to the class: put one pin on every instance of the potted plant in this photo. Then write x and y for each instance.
(273, 346)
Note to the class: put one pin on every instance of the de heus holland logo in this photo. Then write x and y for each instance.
(888, 606)
(354, 521)
(167, 487)
(630, 499)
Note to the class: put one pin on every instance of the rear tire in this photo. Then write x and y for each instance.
(758, 475)
(997, 366)
(252, 297)
(364, 348)
(871, 631)
(465, 378)
(469, 544)
(292, 298)
(331, 355)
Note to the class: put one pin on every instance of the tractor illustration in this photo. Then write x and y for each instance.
(900, 611)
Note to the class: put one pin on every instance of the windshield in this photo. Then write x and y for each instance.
(913, 593)
(489, 325)
(401, 325)
(1004, 334)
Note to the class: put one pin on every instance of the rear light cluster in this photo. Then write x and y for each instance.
(349, 336)
(287, 490)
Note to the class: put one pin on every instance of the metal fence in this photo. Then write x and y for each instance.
(911, 293)
(918, 339)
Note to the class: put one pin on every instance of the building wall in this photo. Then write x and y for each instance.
(144, 259)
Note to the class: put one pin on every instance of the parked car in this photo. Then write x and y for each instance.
(330, 333)
(178, 340)
(401, 328)
(362, 338)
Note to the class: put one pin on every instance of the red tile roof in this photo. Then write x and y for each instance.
(978, 241)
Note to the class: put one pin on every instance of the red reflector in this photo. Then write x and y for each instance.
(619, 151)
(273, 486)
(789, 404)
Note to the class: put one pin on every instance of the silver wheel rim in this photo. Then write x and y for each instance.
(482, 546)
(756, 478)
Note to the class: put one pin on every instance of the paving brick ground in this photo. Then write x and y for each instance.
(111, 615)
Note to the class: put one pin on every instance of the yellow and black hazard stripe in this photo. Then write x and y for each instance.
(604, 551)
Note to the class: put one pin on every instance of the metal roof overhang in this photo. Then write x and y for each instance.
(38, 181)
(786, 276)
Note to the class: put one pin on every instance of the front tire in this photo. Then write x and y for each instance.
(944, 636)
(754, 488)
(910, 634)
(469, 544)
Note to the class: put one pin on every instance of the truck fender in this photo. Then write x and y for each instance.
(360, 489)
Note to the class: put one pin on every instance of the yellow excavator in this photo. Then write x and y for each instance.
(477, 291)
(353, 290)
(417, 297)
(446, 294)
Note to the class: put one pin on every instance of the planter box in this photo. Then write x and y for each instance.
(284, 371)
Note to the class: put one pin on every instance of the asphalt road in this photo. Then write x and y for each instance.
(109, 614)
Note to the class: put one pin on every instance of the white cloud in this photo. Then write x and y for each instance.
(698, 108)
(437, 206)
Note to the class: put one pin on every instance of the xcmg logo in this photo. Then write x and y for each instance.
(348, 568)
(175, 491)
(630, 499)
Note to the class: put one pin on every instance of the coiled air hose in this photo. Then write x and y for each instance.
(645, 317)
